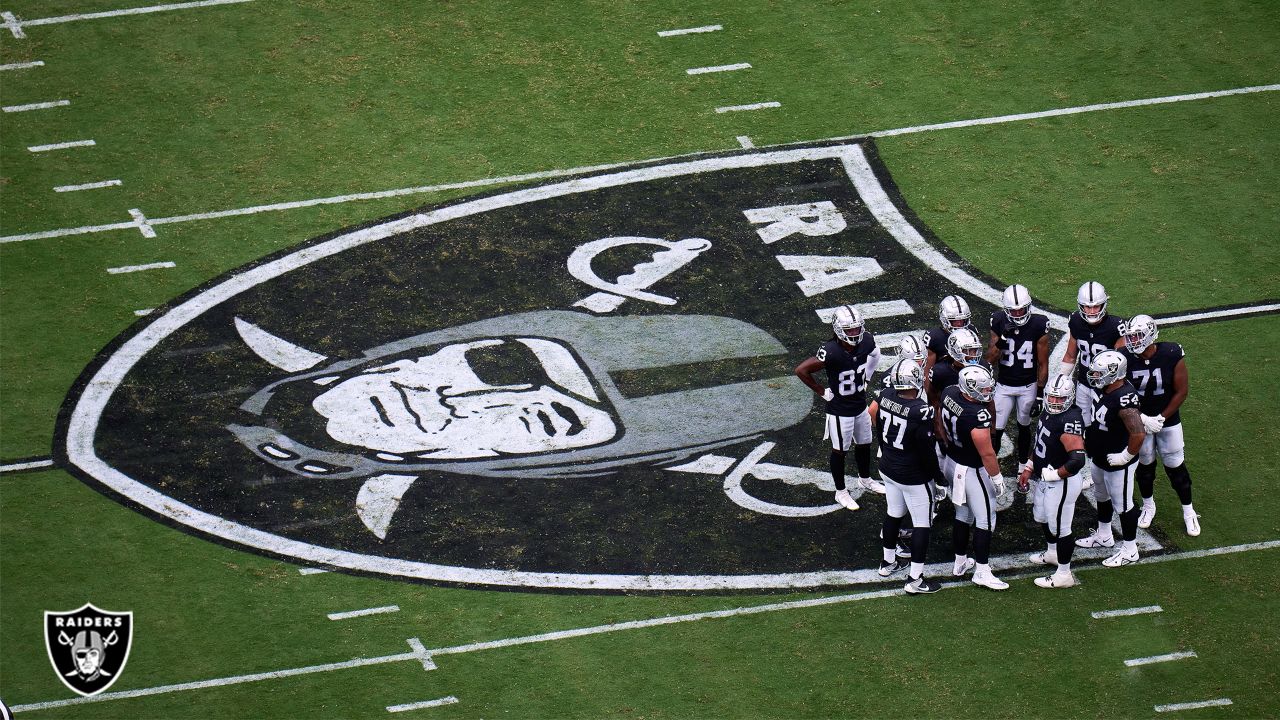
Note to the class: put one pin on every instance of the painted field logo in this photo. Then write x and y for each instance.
(584, 384)
(88, 647)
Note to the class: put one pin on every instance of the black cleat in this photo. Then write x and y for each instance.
(889, 568)
(921, 586)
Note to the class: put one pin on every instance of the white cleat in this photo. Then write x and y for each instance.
(1147, 514)
(1044, 558)
(1193, 523)
(1057, 580)
(1096, 541)
(872, 485)
(965, 569)
(988, 580)
(844, 498)
(1121, 558)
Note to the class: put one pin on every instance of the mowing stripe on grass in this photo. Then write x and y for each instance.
(690, 31)
(26, 466)
(367, 611)
(87, 186)
(718, 68)
(139, 268)
(1193, 705)
(449, 700)
(1160, 658)
(36, 106)
(22, 65)
(424, 189)
(752, 106)
(128, 11)
(61, 145)
(595, 630)
(1127, 612)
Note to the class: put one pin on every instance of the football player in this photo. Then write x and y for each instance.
(849, 357)
(1059, 457)
(1113, 440)
(1091, 331)
(1159, 372)
(1019, 350)
(974, 471)
(963, 348)
(907, 465)
(953, 313)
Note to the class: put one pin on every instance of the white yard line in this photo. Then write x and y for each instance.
(140, 221)
(1159, 658)
(1127, 612)
(36, 106)
(30, 465)
(87, 186)
(745, 142)
(594, 630)
(1192, 705)
(144, 312)
(127, 11)
(424, 704)
(139, 268)
(752, 106)
(61, 146)
(311, 571)
(426, 189)
(22, 65)
(12, 25)
(367, 611)
(690, 31)
(1214, 314)
(718, 69)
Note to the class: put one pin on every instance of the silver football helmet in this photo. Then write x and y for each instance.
(906, 375)
(1108, 367)
(1092, 300)
(977, 383)
(1017, 304)
(911, 349)
(964, 346)
(953, 312)
(847, 324)
(1139, 333)
(1059, 394)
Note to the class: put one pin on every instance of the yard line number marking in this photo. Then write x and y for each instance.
(579, 632)
(545, 174)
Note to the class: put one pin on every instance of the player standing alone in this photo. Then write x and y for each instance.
(849, 357)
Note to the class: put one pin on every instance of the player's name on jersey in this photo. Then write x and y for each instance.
(953, 405)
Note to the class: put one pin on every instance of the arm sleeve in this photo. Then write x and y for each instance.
(1075, 461)
(873, 362)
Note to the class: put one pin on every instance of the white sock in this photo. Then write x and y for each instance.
(983, 569)
(1104, 529)
(917, 569)
(1064, 568)
(1151, 502)
(1188, 510)
(889, 555)
(960, 562)
(1051, 548)
(1131, 546)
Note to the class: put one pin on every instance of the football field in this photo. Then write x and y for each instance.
(231, 229)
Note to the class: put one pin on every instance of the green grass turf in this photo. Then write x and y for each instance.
(1173, 207)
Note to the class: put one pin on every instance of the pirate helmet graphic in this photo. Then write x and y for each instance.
(525, 395)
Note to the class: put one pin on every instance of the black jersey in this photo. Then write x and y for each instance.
(1017, 343)
(1107, 433)
(1091, 340)
(960, 417)
(1049, 451)
(848, 373)
(906, 438)
(936, 340)
(945, 374)
(1153, 378)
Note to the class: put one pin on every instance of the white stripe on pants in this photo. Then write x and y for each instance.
(915, 499)
(1114, 485)
(979, 508)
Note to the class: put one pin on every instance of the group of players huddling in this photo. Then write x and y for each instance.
(940, 418)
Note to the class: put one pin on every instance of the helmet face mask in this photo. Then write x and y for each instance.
(1107, 368)
(906, 375)
(953, 313)
(1092, 301)
(1139, 333)
(1017, 304)
(964, 346)
(1060, 394)
(977, 383)
(848, 325)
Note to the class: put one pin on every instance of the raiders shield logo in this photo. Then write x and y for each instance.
(88, 647)
(584, 384)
